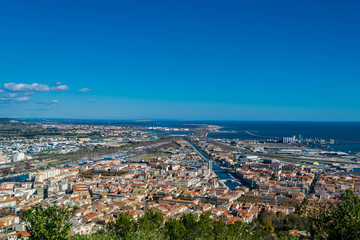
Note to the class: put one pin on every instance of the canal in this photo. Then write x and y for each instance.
(20, 178)
(223, 175)
(220, 173)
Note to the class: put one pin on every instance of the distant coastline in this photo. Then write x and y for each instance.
(345, 134)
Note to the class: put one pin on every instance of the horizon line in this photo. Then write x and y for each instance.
(185, 120)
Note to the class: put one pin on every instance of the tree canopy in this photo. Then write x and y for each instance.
(341, 221)
(50, 222)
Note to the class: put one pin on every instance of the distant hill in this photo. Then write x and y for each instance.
(11, 121)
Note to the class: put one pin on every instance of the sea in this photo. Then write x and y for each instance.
(345, 134)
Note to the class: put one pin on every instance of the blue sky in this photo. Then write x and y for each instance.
(196, 60)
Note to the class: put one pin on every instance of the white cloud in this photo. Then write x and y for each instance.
(58, 83)
(10, 95)
(15, 99)
(35, 87)
(84, 90)
(47, 102)
(22, 99)
(21, 87)
(60, 88)
(19, 92)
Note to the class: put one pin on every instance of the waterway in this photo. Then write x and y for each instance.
(225, 176)
(221, 173)
(20, 178)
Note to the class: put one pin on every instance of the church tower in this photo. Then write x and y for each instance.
(210, 163)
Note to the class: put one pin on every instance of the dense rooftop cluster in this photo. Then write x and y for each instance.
(174, 176)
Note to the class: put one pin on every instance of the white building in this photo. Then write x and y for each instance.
(18, 157)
